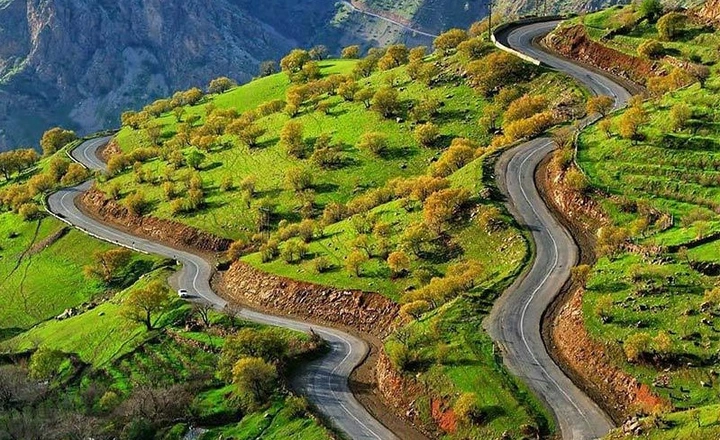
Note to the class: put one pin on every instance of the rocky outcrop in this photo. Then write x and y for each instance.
(574, 42)
(96, 204)
(365, 312)
(710, 12)
(82, 62)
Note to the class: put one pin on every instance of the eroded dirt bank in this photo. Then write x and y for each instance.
(369, 315)
(574, 43)
(174, 233)
(584, 359)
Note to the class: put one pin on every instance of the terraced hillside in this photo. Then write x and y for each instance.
(344, 179)
(650, 299)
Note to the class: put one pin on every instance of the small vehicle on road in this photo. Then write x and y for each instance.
(183, 293)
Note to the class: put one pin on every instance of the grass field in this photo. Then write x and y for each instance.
(701, 423)
(663, 191)
(97, 336)
(498, 252)
(41, 277)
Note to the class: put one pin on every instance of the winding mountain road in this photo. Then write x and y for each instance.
(323, 381)
(515, 321)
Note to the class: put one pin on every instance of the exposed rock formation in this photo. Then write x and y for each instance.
(95, 203)
(365, 312)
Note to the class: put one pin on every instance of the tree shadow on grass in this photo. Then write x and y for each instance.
(399, 153)
(212, 166)
(324, 188)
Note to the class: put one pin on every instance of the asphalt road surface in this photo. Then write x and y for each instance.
(515, 321)
(323, 381)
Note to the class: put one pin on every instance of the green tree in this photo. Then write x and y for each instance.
(221, 85)
(195, 158)
(650, 9)
(450, 40)
(355, 261)
(298, 179)
(54, 139)
(651, 49)
(142, 304)
(291, 139)
(671, 25)
(108, 264)
(351, 52)
(266, 344)
(386, 101)
(45, 363)
(255, 380)
(374, 142)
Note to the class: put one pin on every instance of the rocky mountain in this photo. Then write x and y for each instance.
(80, 63)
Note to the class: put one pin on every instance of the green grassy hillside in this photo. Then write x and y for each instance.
(413, 219)
(654, 168)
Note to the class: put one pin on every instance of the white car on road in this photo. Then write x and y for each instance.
(183, 293)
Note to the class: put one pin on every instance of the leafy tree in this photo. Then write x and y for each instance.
(467, 409)
(395, 56)
(461, 152)
(473, 48)
(318, 53)
(425, 109)
(525, 107)
(427, 134)
(443, 206)
(496, 70)
(54, 139)
(268, 68)
(294, 62)
(354, 262)
(298, 179)
(630, 123)
(267, 344)
(291, 138)
(450, 40)
(671, 25)
(651, 49)
(399, 263)
(75, 174)
(603, 307)
(250, 135)
(365, 96)
(29, 211)
(636, 345)
(386, 101)
(680, 114)
(109, 264)
(195, 158)
(45, 363)
(605, 126)
(142, 304)
(602, 104)
(351, 52)
(221, 85)
(136, 203)
(255, 380)
(15, 161)
(650, 9)
(417, 53)
(374, 142)
(415, 309)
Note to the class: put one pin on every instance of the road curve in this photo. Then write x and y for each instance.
(515, 321)
(323, 381)
(387, 19)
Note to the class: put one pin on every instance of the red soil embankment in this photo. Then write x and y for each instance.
(95, 203)
(364, 312)
(585, 359)
(574, 42)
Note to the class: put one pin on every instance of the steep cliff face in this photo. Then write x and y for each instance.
(81, 62)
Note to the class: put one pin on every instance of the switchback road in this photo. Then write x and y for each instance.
(515, 321)
(323, 381)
